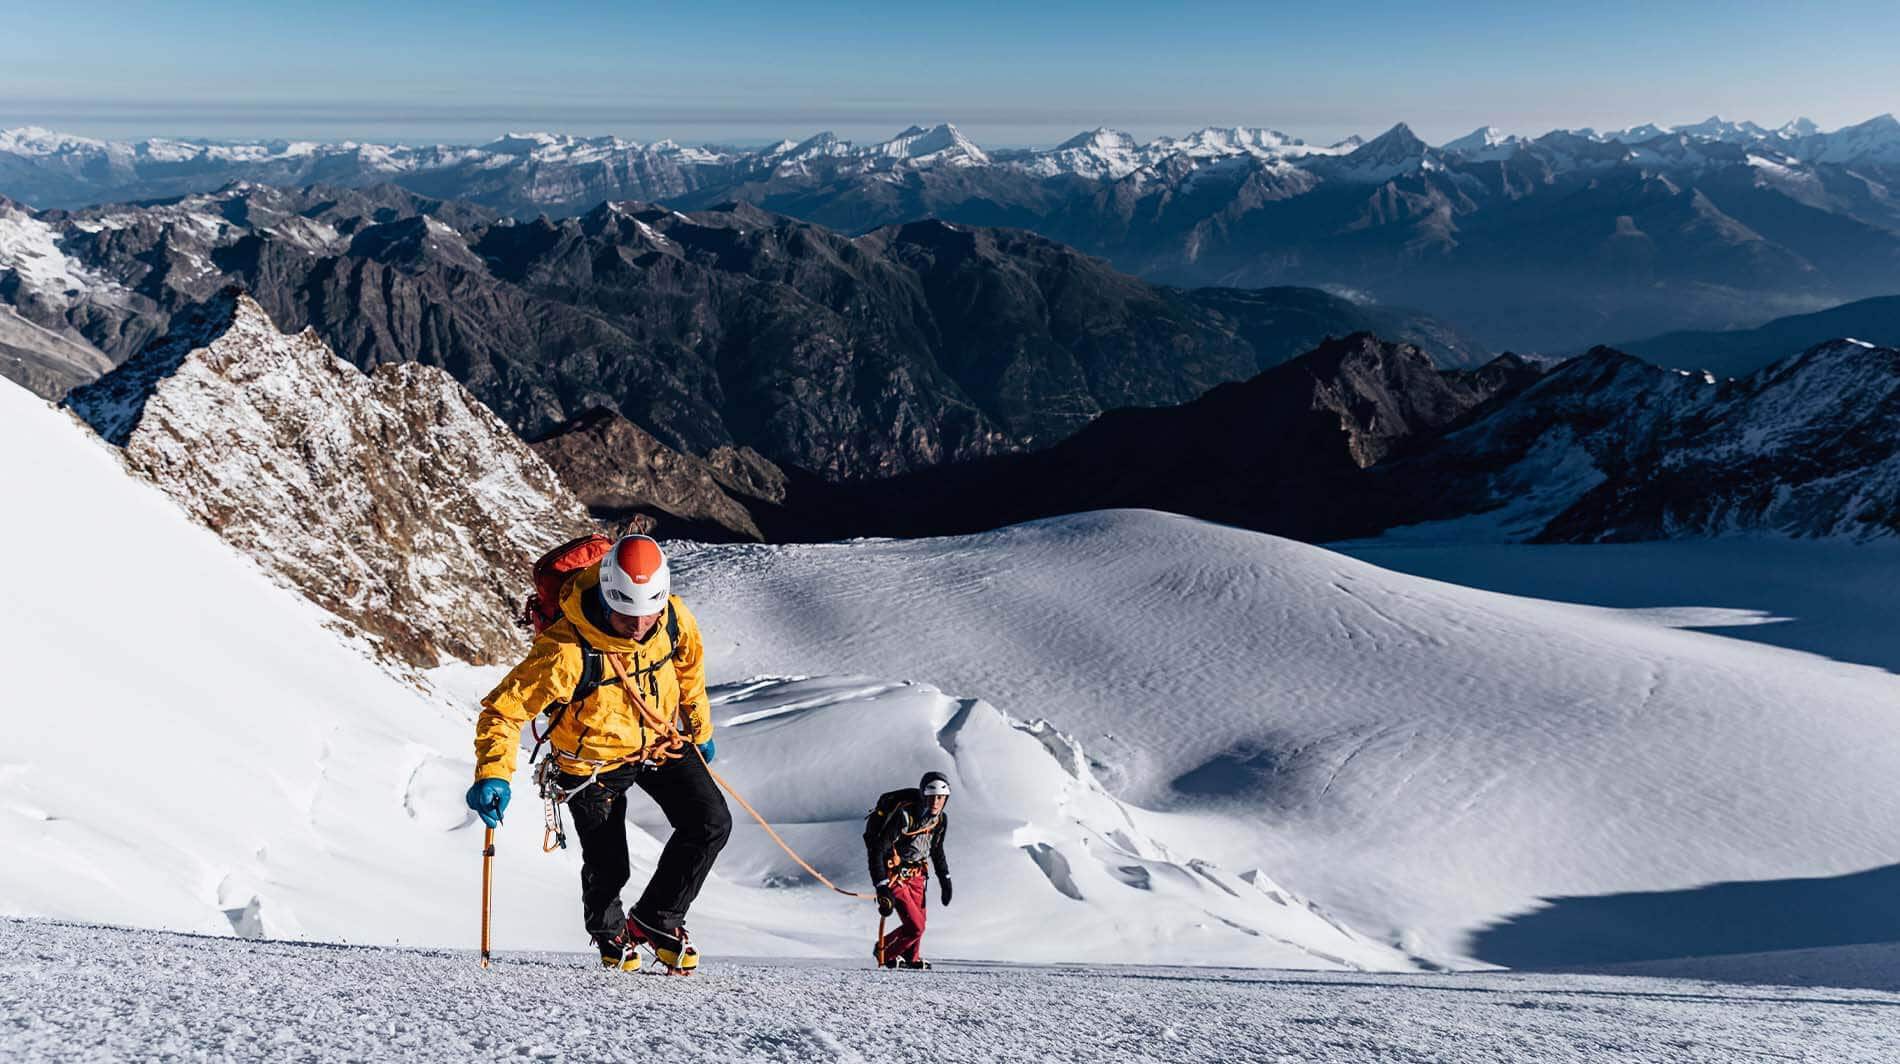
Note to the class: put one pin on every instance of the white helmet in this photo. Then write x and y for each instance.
(933, 784)
(634, 578)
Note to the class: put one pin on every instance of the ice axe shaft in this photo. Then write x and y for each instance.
(880, 938)
(488, 886)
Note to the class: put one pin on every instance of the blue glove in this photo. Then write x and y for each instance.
(706, 749)
(489, 798)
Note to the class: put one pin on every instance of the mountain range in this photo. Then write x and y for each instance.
(1554, 242)
(1358, 437)
(1362, 437)
(728, 328)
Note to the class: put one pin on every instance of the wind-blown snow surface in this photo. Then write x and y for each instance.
(206, 755)
(1426, 759)
(81, 993)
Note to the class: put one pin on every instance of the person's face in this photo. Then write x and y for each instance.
(629, 627)
(937, 802)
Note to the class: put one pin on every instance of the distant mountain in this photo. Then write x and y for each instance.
(1608, 447)
(1361, 437)
(1739, 352)
(1284, 451)
(360, 490)
(732, 328)
(1551, 242)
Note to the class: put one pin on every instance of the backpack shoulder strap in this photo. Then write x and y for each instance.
(593, 669)
(593, 678)
(672, 629)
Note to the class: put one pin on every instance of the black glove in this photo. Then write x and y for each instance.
(943, 885)
(885, 904)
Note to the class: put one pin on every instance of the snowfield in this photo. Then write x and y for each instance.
(228, 764)
(1424, 759)
(87, 993)
(1171, 744)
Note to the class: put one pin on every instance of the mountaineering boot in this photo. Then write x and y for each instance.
(617, 953)
(916, 965)
(671, 947)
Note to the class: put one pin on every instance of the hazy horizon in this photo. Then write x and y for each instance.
(474, 129)
(1007, 75)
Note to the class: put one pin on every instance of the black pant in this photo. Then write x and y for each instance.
(693, 806)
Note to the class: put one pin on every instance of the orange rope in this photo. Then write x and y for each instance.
(672, 740)
(789, 852)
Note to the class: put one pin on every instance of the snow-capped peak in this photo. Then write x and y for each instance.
(1875, 140)
(1637, 134)
(37, 140)
(1099, 139)
(1485, 142)
(1800, 127)
(940, 143)
(522, 143)
(1100, 153)
(1396, 151)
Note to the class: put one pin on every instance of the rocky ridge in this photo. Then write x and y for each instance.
(1608, 448)
(393, 499)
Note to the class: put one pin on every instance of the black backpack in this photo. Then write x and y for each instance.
(887, 806)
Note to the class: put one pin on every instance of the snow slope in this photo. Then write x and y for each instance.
(1425, 758)
(83, 993)
(1255, 723)
(207, 755)
(198, 750)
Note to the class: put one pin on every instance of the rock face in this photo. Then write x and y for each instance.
(845, 357)
(393, 499)
(618, 470)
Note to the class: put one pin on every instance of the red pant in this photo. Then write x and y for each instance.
(908, 894)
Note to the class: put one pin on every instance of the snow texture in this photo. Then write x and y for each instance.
(1426, 760)
(1256, 752)
(87, 993)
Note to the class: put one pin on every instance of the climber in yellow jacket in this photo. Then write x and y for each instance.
(620, 628)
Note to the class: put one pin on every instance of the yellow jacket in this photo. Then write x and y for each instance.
(604, 726)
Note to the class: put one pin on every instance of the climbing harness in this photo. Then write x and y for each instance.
(668, 745)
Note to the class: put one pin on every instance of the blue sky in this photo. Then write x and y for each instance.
(1006, 73)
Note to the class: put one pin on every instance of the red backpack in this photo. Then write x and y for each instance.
(551, 573)
(542, 608)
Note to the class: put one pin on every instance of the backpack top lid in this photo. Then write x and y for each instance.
(553, 569)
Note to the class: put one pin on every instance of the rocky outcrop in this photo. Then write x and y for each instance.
(393, 499)
(618, 470)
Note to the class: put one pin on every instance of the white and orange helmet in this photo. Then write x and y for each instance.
(634, 578)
